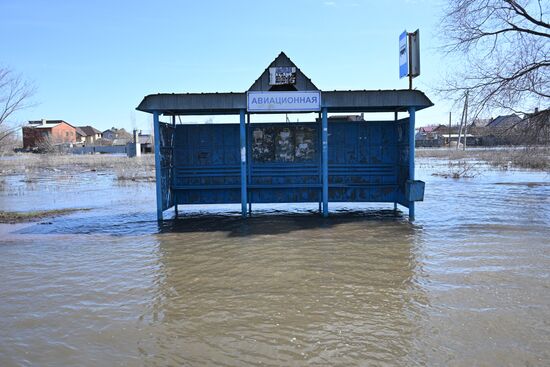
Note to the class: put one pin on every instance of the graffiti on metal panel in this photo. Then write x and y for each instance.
(263, 149)
(284, 148)
(305, 144)
(283, 144)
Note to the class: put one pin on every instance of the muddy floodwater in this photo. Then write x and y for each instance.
(467, 284)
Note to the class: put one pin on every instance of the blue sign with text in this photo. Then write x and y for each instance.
(403, 55)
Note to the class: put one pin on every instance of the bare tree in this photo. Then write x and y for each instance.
(503, 53)
(15, 94)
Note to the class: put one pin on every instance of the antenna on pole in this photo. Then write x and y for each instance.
(449, 129)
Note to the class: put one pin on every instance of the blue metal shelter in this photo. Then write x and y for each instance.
(336, 159)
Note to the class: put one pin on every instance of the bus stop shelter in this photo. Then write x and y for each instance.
(331, 159)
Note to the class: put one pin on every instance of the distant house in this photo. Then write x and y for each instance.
(428, 136)
(504, 122)
(452, 139)
(87, 135)
(146, 142)
(426, 129)
(114, 133)
(535, 127)
(50, 132)
(480, 122)
(80, 135)
(431, 131)
(117, 136)
(502, 130)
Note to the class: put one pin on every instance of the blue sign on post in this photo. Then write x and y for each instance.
(403, 55)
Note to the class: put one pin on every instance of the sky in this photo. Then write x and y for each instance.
(92, 62)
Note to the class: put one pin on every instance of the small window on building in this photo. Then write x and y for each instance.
(67, 133)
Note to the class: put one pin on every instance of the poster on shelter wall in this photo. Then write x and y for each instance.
(283, 144)
(284, 147)
(282, 75)
(263, 148)
(305, 138)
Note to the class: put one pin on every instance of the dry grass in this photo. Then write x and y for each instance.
(19, 217)
(139, 168)
(520, 157)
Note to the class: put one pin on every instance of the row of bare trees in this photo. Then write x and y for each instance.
(503, 53)
(503, 48)
(15, 95)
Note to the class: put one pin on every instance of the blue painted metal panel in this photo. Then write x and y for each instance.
(402, 151)
(325, 160)
(243, 153)
(403, 55)
(366, 161)
(206, 164)
(415, 190)
(165, 140)
(412, 113)
(363, 161)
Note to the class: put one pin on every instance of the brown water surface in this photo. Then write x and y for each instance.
(466, 284)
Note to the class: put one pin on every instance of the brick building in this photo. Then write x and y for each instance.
(52, 132)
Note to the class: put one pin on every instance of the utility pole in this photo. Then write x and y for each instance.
(449, 132)
(462, 121)
(465, 120)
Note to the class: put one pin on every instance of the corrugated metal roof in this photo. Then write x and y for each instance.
(335, 101)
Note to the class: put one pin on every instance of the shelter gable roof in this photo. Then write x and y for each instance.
(303, 83)
(341, 101)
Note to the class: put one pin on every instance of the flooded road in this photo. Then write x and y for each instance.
(467, 284)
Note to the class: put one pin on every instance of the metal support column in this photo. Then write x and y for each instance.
(243, 163)
(172, 168)
(249, 163)
(157, 164)
(325, 160)
(320, 142)
(412, 111)
(395, 118)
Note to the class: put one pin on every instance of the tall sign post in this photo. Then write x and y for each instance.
(409, 55)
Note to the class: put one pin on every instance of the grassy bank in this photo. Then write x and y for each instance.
(518, 157)
(139, 168)
(19, 217)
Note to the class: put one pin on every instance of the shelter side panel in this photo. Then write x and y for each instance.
(166, 141)
(402, 130)
(362, 161)
(206, 164)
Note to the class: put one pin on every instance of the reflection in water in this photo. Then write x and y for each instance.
(467, 284)
(277, 290)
